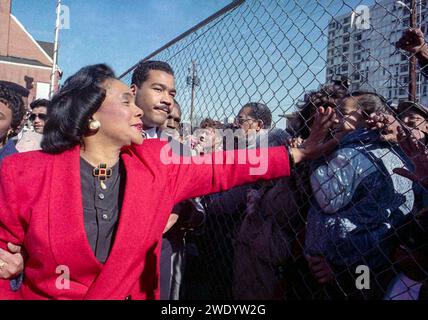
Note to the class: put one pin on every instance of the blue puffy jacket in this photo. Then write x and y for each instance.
(358, 202)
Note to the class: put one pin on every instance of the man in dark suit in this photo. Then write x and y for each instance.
(162, 115)
(185, 216)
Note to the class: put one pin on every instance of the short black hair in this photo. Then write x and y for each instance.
(407, 106)
(13, 101)
(39, 103)
(328, 95)
(20, 90)
(260, 111)
(72, 107)
(141, 71)
(370, 102)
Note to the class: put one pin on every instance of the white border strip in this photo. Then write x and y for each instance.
(25, 65)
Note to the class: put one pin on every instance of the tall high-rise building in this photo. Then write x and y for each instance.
(364, 50)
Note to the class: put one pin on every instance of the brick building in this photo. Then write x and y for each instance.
(23, 60)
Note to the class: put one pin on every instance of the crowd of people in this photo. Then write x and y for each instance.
(83, 187)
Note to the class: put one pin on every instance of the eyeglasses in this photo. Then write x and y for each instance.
(41, 116)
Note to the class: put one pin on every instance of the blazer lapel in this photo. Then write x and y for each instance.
(67, 232)
(136, 238)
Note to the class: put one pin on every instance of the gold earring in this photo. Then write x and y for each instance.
(94, 125)
(9, 134)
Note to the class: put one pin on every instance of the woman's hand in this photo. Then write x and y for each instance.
(11, 263)
(316, 145)
(418, 154)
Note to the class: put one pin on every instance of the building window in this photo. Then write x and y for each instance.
(357, 76)
(344, 68)
(404, 68)
(345, 48)
(404, 80)
(42, 90)
(402, 91)
(346, 20)
(357, 56)
(346, 39)
(345, 29)
(403, 57)
(358, 37)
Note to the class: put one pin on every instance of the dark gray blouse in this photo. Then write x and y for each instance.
(101, 207)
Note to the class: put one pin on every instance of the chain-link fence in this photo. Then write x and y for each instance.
(345, 225)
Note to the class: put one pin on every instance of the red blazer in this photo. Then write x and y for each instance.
(41, 209)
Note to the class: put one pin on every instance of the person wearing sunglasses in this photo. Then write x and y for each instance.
(38, 115)
(30, 140)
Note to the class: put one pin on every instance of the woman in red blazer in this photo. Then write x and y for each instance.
(93, 118)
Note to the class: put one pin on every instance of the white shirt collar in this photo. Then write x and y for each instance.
(152, 133)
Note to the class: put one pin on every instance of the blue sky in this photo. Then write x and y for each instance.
(117, 32)
(264, 51)
(267, 51)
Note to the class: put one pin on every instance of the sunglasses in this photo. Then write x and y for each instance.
(41, 116)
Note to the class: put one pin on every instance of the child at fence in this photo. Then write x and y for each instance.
(417, 242)
(293, 273)
(358, 204)
(411, 257)
(415, 116)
